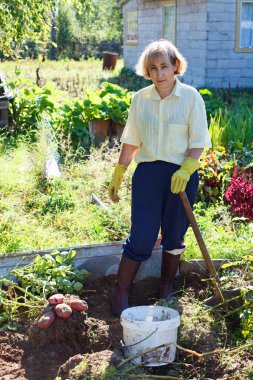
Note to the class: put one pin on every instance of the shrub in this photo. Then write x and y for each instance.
(240, 192)
(214, 173)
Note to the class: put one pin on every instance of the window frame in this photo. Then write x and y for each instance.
(238, 28)
(130, 42)
(164, 4)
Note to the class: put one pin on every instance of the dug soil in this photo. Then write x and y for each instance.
(27, 355)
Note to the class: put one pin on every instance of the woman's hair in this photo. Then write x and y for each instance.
(157, 48)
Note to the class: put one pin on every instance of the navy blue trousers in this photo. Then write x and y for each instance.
(154, 206)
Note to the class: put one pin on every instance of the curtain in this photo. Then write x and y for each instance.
(169, 20)
(246, 35)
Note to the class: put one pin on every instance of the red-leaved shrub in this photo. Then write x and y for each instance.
(240, 193)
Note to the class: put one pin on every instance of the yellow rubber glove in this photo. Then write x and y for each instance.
(115, 183)
(181, 176)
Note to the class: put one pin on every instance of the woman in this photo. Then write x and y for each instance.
(166, 132)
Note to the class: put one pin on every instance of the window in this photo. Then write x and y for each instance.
(132, 27)
(169, 20)
(244, 26)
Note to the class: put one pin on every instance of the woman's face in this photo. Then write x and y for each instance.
(162, 74)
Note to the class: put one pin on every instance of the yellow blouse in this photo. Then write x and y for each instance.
(166, 128)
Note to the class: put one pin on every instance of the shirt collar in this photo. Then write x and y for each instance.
(175, 92)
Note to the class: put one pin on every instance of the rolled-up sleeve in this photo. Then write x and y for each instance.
(198, 129)
(130, 134)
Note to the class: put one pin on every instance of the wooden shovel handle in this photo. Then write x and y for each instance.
(199, 238)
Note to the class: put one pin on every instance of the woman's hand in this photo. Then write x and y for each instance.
(126, 156)
(115, 183)
(181, 176)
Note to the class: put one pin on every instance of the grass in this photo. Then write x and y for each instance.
(222, 126)
(71, 76)
(36, 214)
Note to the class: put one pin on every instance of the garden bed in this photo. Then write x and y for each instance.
(90, 355)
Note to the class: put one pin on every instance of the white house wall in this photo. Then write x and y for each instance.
(191, 36)
(149, 28)
(224, 66)
(205, 34)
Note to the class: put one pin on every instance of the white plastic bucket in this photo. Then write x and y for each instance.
(146, 327)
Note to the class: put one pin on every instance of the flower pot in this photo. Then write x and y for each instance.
(115, 132)
(99, 131)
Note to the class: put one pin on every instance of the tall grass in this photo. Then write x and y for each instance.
(229, 125)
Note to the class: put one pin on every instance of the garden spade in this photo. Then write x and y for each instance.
(220, 295)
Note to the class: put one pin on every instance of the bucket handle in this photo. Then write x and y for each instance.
(134, 344)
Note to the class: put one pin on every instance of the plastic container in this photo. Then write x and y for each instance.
(146, 327)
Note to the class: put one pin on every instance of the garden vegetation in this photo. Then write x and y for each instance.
(38, 212)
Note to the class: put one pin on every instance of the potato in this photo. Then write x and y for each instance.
(79, 305)
(46, 320)
(55, 299)
(63, 310)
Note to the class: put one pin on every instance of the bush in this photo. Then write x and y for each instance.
(240, 193)
(217, 169)
(215, 172)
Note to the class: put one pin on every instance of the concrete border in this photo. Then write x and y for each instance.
(103, 259)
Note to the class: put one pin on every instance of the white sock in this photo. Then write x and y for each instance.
(176, 251)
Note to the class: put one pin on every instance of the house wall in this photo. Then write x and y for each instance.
(149, 28)
(205, 34)
(224, 66)
(190, 34)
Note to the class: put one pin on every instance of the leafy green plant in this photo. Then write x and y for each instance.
(58, 197)
(111, 102)
(212, 103)
(29, 103)
(50, 274)
(70, 122)
(14, 302)
(215, 172)
(242, 155)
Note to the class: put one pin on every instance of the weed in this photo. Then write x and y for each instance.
(80, 370)
(108, 372)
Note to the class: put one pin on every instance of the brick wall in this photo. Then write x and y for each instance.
(205, 34)
(224, 66)
(191, 35)
(149, 28)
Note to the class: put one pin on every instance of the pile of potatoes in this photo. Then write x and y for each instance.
(61, 306)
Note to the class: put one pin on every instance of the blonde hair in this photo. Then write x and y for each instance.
(157, 48)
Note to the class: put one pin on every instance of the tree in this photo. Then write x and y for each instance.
(23, 20)
(88, 34)
(65, 27)
(104, 22)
